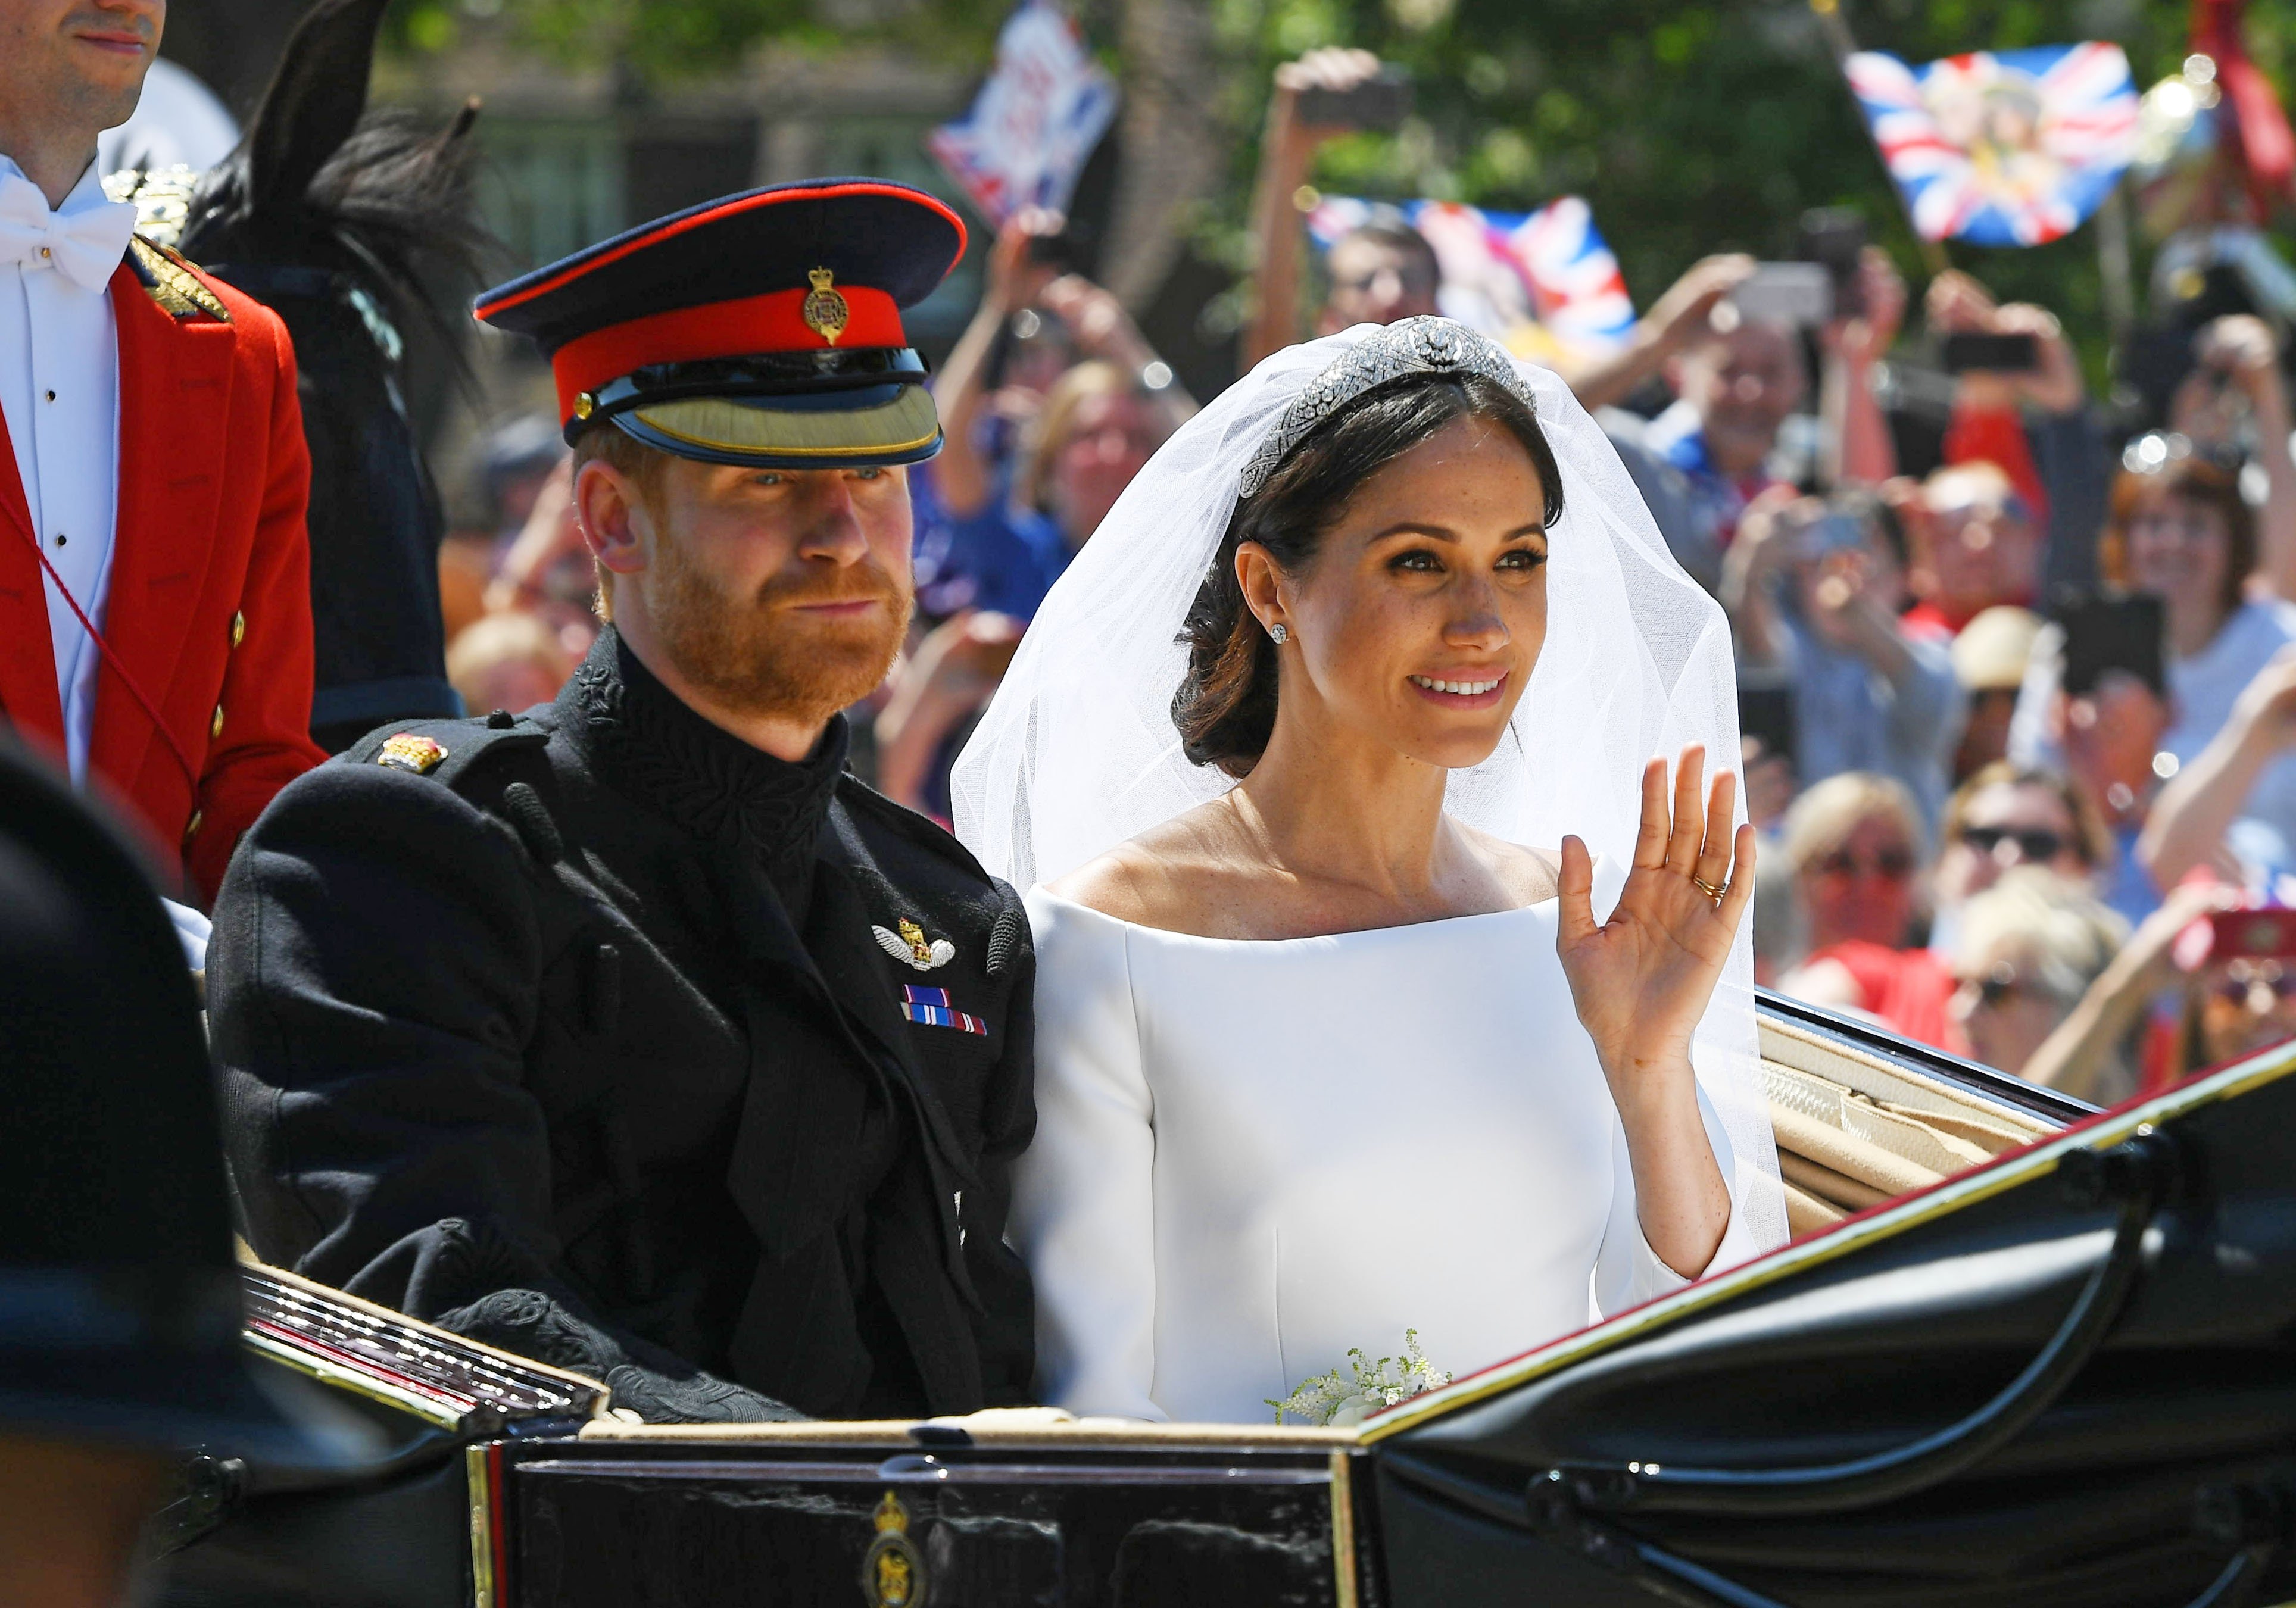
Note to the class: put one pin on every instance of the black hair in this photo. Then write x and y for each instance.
(1225, 707)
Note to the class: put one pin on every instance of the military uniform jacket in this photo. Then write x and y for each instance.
(601, 1035)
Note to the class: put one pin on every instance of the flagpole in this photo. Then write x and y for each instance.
(1835, 26)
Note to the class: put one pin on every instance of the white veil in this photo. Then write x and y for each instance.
(1077, 752)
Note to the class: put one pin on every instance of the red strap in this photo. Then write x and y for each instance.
(191, 774)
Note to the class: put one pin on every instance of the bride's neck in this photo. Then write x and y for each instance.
(1346, 812)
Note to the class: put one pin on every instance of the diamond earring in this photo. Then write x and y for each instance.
(1280, 631)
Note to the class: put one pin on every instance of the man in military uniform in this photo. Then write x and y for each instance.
(631, 1033)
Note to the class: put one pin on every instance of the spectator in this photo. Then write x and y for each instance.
(1852, 850)
(2090, 1054)
(2036, 425)
(2030, 945)
(1380, 273)
(1814, 589)
(2194, 817)
(547, 571)
(2005, 818)
(2235, 400)
(1978, 548)
(1990, 656)
(2242, 996)
(509, 661)
(1000, 539)
(2181, 532)
(1736, 380)
(933, 701)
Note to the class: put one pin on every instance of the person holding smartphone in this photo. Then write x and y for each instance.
(1380, 273)
(1813, 589)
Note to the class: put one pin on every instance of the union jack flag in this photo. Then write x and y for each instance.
(2001, 148)
(1534, 280)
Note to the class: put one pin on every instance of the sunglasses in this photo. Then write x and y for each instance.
(1996, 987)
(2035, 844)
(2233, 990)
(1891, 865)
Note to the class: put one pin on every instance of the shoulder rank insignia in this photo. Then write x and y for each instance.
(407, 752)
(169, 281)
(909, 945)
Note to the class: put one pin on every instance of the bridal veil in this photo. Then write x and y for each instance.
(1077, 752)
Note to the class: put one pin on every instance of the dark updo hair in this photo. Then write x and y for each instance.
(1225, 707)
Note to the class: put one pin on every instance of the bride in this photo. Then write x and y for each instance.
(1325, 1054)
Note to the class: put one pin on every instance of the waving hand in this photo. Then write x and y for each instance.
(1640, 979)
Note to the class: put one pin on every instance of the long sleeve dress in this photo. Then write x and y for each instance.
(1253, 1156)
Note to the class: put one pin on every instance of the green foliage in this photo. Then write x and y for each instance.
(1692, 128)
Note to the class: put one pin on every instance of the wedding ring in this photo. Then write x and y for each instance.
(1707, 888)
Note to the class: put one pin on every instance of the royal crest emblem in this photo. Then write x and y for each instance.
(893, 1571)
(407, 752)
(826, 311)
(909, 945)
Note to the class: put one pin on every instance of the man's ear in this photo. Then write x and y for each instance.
(615, 524)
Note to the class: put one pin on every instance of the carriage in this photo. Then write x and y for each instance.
(2020, 1351)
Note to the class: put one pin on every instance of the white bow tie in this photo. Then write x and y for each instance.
(85, 244)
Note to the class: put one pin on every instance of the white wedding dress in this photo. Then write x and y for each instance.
(1252, 1156)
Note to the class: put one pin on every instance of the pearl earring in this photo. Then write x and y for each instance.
(1280, 631)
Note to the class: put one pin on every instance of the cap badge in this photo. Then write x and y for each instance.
(407, 752)
(585, 405)
(909, 945)
(824, 312)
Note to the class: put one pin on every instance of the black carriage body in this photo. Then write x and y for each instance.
(2061, 1378)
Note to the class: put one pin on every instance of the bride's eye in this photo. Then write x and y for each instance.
(1521, 559)
(1418, 559)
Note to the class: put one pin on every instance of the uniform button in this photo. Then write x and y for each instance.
(215, 725)
(52, 396)
(238, 628)
(191, 830)
(61, 538)
(45, 252)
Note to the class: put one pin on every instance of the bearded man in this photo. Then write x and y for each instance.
(631, 1033)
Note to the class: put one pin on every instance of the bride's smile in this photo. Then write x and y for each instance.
(1414, 627)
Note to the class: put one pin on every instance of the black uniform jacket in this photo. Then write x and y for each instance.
(615, 1041)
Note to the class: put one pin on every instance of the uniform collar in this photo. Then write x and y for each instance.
(709, 782)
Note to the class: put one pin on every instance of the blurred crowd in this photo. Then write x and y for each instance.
(2017, 691)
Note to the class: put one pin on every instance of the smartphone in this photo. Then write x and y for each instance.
(1057, 251)
(1834, 238)
(1379, 104)
(1831, 532)
(1993, 354)
(1785, 292)
(1766, 711)
(2107, 634)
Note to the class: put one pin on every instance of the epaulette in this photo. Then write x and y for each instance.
(168, 280)
(444, 750)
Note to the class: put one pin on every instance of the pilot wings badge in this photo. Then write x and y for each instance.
(909, 945)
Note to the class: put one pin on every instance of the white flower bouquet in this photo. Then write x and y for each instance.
(1347, 1397)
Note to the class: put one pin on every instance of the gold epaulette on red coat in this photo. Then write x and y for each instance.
(168, 280)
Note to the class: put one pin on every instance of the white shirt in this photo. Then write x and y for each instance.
(59, 392)
(1253, 1157)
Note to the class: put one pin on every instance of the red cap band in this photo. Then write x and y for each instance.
(771, 322)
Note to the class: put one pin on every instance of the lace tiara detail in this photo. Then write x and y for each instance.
(1423, 345)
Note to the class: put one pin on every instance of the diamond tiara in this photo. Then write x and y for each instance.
(1415, 345)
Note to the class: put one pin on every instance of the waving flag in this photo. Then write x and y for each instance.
(2006, 148)
(1537, 282)
(1034, 121)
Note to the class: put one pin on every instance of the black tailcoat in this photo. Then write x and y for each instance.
(590, 1041)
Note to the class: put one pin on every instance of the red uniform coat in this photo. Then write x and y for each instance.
(209, 605)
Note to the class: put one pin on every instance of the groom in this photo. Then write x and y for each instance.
(631, 1033)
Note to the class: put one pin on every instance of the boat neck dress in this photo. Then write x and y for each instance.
(1252, 1156)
